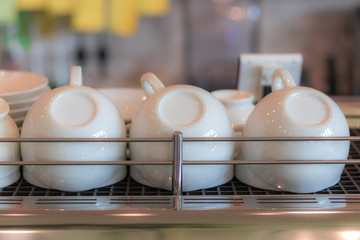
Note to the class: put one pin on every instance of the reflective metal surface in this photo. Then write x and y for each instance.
(129, 209)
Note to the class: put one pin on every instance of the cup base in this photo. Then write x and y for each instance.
(308, 108)
(74, 108)
(181, 108)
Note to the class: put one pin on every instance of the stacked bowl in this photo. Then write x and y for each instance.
(20, 90)
(126, 100)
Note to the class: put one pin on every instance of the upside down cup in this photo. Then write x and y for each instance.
(195, 113)
(73, 111)
(9, 151)
(294, 111)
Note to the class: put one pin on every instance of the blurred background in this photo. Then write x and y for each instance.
(182, 41)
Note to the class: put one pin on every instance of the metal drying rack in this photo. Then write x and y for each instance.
(129, 194)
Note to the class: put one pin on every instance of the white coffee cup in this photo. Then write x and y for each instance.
(239, 105)
(73, 111)
(294, 111)
(9, 151)
(192, 111)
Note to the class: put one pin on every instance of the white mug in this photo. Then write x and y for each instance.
(73, 111)
(8, 151)
(192, 111)
(294, 111)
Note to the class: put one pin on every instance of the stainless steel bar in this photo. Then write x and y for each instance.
(22, 163)
(51, 140)
(187, 162)
(255, 162)
(269, 139)
(177, 169)
(187, 139)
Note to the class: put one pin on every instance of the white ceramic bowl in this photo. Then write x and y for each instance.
(127, 100)
(291, 111)
(73, 111)
(239, 105)
(8, 151)
(18, 113)
(26, 103)
(194, 112)
(19, 108)
(21, 85)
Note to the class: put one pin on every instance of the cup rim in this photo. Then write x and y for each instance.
(233, 98)
(232, 95)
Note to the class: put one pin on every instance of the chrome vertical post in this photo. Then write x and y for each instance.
(177, 168)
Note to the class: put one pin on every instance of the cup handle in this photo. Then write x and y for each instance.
(75, 76)
(281, 78)
(150, 83)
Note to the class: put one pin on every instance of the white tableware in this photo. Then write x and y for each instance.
(73, 111)
(19, 109)
(194, 112)
(239, 105)
(18, 113)
(26, 103)
(21, 85)
(9, 151)
(19, 121)
(291, 111)
(127, 100)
